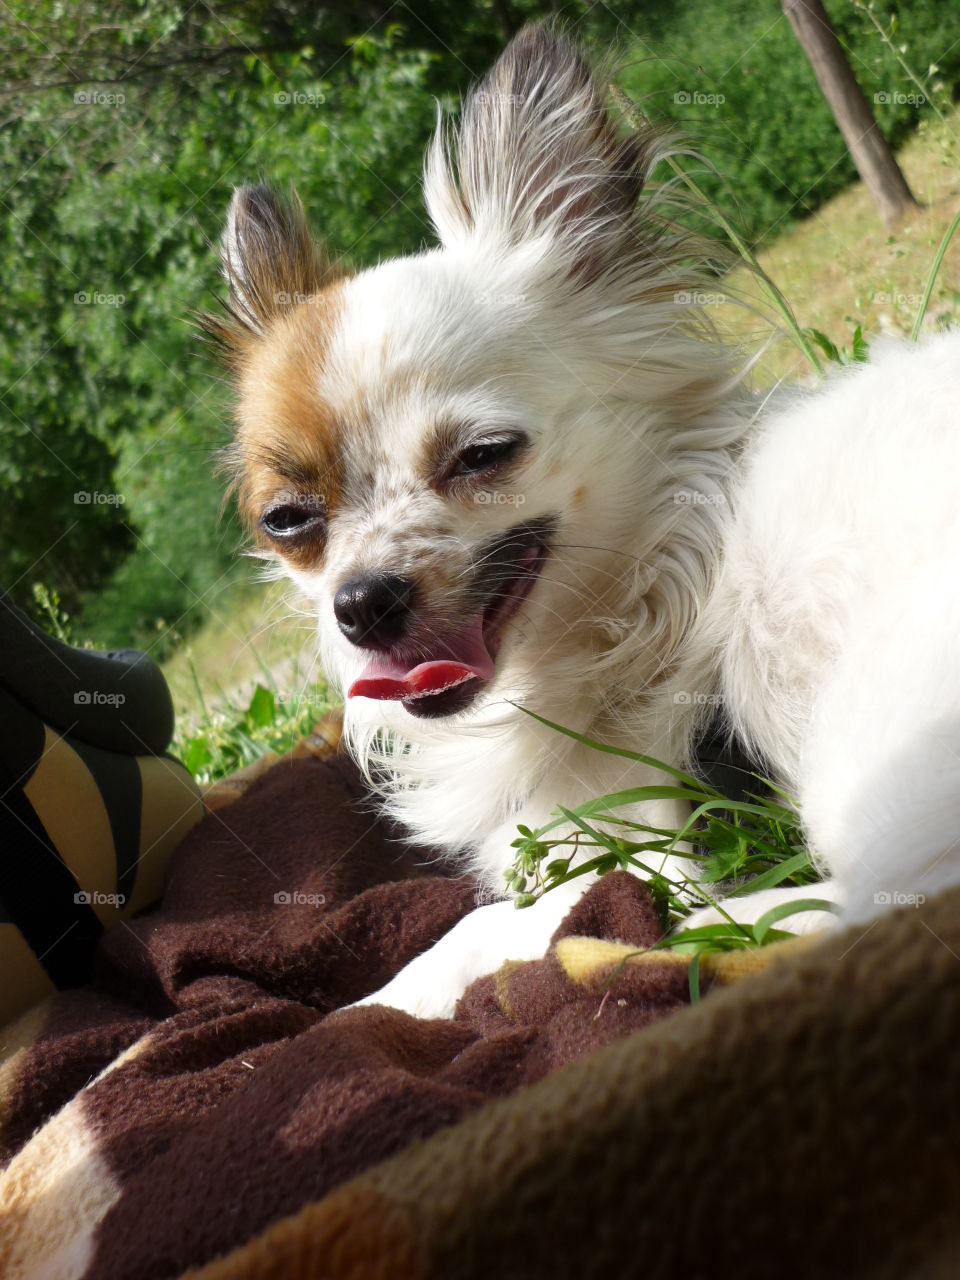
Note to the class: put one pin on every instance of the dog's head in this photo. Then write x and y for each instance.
(467, 457)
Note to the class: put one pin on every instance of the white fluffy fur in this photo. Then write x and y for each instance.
(800, 568)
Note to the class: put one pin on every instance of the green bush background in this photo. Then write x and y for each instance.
(125, 199)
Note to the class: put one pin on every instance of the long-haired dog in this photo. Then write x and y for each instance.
(517, 471)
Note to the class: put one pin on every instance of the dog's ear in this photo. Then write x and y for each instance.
(271, 262)
(536, 153)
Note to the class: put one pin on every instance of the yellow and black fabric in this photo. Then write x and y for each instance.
(91, 807)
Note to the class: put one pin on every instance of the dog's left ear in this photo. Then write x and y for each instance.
(538, 155)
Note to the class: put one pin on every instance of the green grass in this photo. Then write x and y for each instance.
(218, 740)
(247, 684)
(841, 268)
(252, 628)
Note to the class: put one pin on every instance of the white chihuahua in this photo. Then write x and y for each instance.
(518, 471)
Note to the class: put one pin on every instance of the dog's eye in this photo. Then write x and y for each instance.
(480, 457)
(289, 521)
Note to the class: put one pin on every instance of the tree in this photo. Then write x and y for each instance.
(871, 154)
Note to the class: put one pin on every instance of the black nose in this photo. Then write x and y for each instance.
(373, 611)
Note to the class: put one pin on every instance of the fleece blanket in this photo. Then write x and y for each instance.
(208, 1107)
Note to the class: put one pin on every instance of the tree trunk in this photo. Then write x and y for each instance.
(871, 154)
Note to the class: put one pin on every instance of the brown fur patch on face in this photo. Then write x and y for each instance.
(272, 333)
(437, 456)
(437, 447)
(288, 445)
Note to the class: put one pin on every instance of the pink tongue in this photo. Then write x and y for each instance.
(465, 658)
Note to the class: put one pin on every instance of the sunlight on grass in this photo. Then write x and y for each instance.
(252, 629)
(841, 267)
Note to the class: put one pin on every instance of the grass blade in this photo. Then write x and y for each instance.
(932, 276)
(777, 297)
(776, 875)
(649, 761)
(762, 926)
(695, 977)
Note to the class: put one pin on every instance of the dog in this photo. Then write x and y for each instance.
(519, 472)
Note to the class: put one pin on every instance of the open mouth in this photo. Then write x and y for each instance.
(448, 677)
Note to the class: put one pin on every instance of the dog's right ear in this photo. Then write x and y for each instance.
(271, 262)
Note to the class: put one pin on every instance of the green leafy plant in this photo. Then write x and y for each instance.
(112, 413)
(232, 734)
(734, 848)
(50, 612)
(858, 353)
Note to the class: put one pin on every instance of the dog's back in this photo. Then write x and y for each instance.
(838, 617)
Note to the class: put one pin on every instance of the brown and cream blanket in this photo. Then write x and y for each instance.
(208, 1107)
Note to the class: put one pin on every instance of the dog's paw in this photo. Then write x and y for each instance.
(431, 985)
(420, 990)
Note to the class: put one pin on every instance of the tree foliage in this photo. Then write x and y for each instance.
(123, 129)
